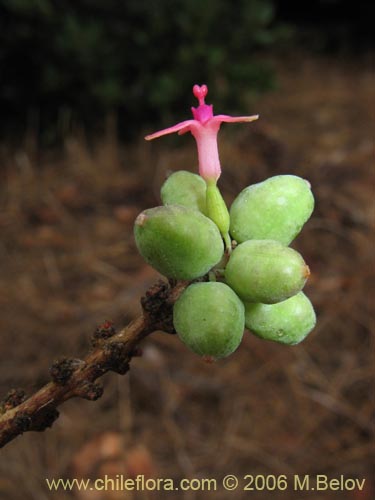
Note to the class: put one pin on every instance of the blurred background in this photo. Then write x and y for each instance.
(81, 83)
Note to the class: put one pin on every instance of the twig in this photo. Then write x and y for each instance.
(110, 351)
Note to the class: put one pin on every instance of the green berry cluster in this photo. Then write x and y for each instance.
(257, 284)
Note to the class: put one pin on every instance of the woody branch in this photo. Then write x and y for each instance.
(111, 351)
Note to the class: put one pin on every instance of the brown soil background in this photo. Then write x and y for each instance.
(68, 262)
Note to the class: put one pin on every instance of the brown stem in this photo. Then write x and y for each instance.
(110, 351)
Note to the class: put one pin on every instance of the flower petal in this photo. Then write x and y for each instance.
(184, 130)
(183, 126)
(233, 119)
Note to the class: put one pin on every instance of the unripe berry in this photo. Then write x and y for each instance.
(177, 241)
(184, 188)
(265, 271)
(209, 318)
(275, 209)
(287, 322)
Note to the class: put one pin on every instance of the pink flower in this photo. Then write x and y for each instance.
(204, 127)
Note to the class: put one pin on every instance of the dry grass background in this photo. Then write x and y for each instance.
(68, 261)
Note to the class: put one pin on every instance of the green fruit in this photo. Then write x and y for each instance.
(186, 189)
(275, 209)
(178, 242)
(209, 318)
(265, 271)
(287, 322)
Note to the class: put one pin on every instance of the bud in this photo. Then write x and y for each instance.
(265, 271)
(184, 188)
(209, 319)
(287, 322)
(275, 209)
(177, 241)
